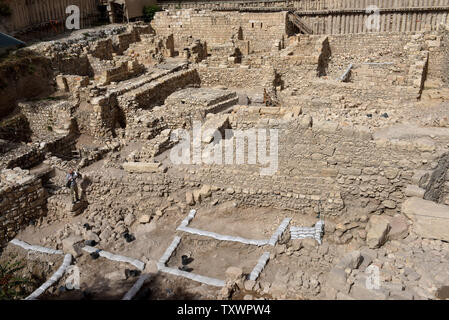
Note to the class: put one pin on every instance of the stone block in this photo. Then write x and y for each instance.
(399, 228)
(73, 245)
(377, 230)
(143, 167)
(430, 219)
(414, 191)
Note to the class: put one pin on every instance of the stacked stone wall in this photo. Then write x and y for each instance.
(22, 199)
(216, 28)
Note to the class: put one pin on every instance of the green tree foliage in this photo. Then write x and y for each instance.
(12, 284)
(149, 12)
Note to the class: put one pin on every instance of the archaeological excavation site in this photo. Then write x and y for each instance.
(224, 150)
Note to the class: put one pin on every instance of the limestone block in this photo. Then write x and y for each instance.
(73, 245)
(143, 167)
(414, 191)
(144, 218)
(189, 198)
(351, 260)
(377, 230)
(430, 219)
(399, 228)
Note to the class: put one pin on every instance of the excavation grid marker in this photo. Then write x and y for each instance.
(192, 276)
(136, 287)
(114, 257)
(259, 266)
(54, 278)
(222, 237)
(27, 246)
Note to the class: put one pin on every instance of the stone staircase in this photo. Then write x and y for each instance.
(296, 20)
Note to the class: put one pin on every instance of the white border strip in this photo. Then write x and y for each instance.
(280, 230)
(223, 237)
(27, 246)
(114, 257)
(259, 266)
(192, 276)
(55, 277)
(189, 218)
(168, 252)
(136, 287)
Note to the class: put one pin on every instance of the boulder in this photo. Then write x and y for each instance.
(399, 228)
(249, 285)
(197, 196)
(414, 191)
(390, 204)
(129, 219)
(144, 218)
(377, 230)
(234, 273)
(351, 260)
(205, 191)
(189, 198)
(430, 219)
(73, 245)
(91, 236)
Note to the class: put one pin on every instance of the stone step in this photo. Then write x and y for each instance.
(225, 97)
(223, 106)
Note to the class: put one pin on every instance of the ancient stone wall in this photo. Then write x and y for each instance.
(33, 155)
(438, 68)
(23, 75)
(47, 118)
(237, 77)
(398, 50)
(216, 28)
(341, 17)
(155, 92)
(329, 162)
(15, 128)
(22, 199)
(304, 5)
